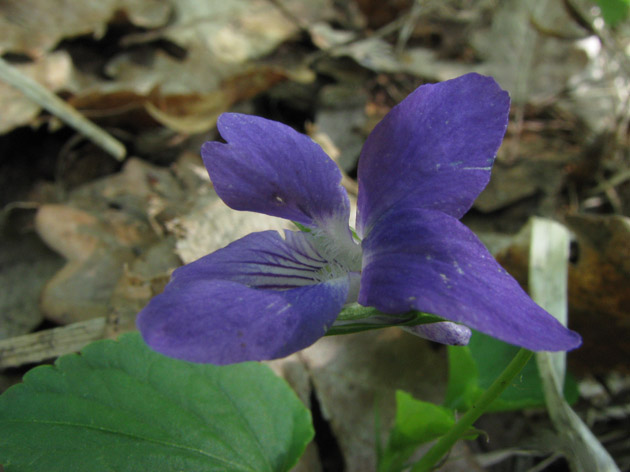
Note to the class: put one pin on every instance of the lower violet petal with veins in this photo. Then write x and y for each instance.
(268, 297)
(264, 296)
(249, 324)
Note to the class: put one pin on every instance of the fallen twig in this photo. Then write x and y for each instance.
(52, 343)
(51, 102)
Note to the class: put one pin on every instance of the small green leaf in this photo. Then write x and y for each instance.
(473, 368)
(463, 379)
(301, 227)
(120, 406)
(416, 423)
(614, 11)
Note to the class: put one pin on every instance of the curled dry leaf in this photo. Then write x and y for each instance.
(196, 113)
(105, 231)
(96, 248)
(220, 40)
(184, 95)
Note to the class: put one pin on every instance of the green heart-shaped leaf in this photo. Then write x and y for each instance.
(120, 406)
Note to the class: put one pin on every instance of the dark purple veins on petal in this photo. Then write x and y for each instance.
(260, 260)
(261, 297)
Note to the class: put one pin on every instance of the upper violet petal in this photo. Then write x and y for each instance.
(268, 167)
(426, 260)
(434, 150)
(223, 322)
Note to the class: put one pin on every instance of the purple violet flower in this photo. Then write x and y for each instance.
(421, 168)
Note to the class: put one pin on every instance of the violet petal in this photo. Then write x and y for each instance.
(261, 297)
(223, 322)
(434, 150)
(268, 167)
(426, 260)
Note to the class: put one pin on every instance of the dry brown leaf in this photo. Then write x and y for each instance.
(194, 113)
(34, 27)
(97, 247)
(522, 56)
(598, 291)
(145, 277)
(354, 374)
(599, 277)
(181, 95)
(220, 39)
(26, 266)
(103, 244)
(211, 225)
(239, 31)
(61, 226)
(82, 290)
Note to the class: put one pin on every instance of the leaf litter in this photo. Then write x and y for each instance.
(156, 75)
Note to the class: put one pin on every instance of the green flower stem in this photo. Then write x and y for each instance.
(446, 442)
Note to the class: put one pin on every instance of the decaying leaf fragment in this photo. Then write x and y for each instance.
(96, 250)
(599, 277)
(34, 27)
(103, 231)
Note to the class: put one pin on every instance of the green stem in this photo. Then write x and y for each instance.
(446, 442)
